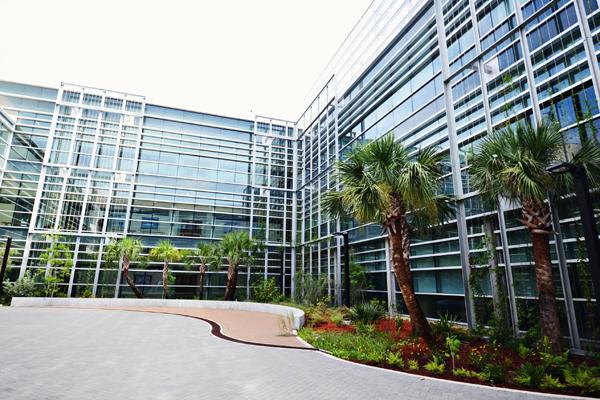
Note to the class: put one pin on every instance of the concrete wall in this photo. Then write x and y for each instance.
(295, 315)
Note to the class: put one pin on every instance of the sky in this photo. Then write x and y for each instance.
(231, 57)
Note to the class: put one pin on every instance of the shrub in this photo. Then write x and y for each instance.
(444, 327)
(466, 373)
(493, 373)
(367, 313)
(435, 365)
(583, 378)
(550, 382)
(337, 317)
(316, 314)
(310, 289)
(23, 287)
(523, 350)
(530, 375)
(413, 365)
(395, 360)
(266, 291)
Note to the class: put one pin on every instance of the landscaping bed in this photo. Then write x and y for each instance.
(456, 354)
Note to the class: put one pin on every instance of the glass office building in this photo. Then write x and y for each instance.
(94, 164)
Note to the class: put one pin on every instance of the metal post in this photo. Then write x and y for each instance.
(283, 272)
(5, 261)
(346, 270)
(590, 232)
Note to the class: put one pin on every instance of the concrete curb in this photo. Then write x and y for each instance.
(294, 314)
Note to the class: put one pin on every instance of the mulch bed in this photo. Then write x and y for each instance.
(473, 354)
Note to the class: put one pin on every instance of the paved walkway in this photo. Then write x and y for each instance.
(248, 326)
(60, 353)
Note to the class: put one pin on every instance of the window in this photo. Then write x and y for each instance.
(92, 100)
(70, 97)
(134, 106)
(111, 102)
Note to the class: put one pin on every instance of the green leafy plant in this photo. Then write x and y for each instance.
(523, 350)
(551, 383)
(337, 317)
(413, 365)
(445, 325)
(58, 257)
(367, 313)
(466, 373)
(395, 360)
(493, 373)
(316, 314)
(582, 377)
(435, 365)
(372, 347)
(530, 374)
(453, 345)
(267, 291)
(310, 289)
(23, 287)
(553, 363)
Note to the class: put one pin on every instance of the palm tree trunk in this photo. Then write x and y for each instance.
(399, 249)
(546, 293)
(128, 279)
(165, 277)
(231, 283)
(201, 278)
(537, 218)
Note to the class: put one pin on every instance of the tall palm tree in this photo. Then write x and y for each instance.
(127, 250)
(206, 254)
(236, 248)
(382, 183)
(512, 163)
(167, 253)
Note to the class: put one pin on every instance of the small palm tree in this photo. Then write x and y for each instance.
(236, 248)
(167, 253)
(512, 163)
(206, 254)
(383, 184)
(127, 250)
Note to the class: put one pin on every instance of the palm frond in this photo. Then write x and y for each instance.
(512, 162)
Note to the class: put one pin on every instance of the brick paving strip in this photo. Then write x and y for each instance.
(249, 327)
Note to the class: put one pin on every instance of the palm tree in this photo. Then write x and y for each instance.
(512, 163)
(167, 253)
(237, 248)
(127, 250)
(206, 254)
(382, 183)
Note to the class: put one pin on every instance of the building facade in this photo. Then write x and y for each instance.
(95, 164)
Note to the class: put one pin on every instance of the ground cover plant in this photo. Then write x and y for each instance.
(363, 334)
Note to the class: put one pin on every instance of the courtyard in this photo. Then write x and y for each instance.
(58, 353)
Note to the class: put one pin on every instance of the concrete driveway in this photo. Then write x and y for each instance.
(54, 353)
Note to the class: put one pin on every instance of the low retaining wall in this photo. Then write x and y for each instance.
(296, 315)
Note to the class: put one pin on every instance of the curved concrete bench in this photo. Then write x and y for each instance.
(295, 315)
